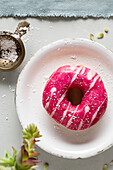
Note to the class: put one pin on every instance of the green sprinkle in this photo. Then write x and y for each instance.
(106, 29)
(100, 35)
(92, 37)
(105, 167)
(46, 165)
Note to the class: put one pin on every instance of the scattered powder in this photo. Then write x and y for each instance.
(73, 57)
(28, 85)
(3, 78)
(34, 90)
(6, 118)
(57, 127)
(37, 28)
(46, 77)
(4, 95)
(10, 87)
(21, 101)
(26, 40)
(31, 28)
(51, 27)
(58, 49)
(12, 90)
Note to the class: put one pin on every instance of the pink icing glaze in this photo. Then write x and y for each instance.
(92, 106)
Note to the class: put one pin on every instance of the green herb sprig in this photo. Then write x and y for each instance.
(27, 157)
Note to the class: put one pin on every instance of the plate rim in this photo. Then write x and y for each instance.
(44, 48)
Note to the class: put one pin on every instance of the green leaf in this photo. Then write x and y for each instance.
(31, 132)
(14, 150)
(26, 158)
(25, 155)
(7, 162)
(24, 132)
(7, 154)
(34, 154)
(19, 158)
(27, 136)
(32, 142)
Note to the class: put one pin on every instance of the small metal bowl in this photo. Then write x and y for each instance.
(6, 64)
(11, 56)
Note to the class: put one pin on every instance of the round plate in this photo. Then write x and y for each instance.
(56, 139)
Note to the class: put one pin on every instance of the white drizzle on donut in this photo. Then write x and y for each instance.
(53, 89)
(75, 76)
(95, 114)
(83, 70)
(92, 84)
(70, 120)
(47, 105)
(90, 74)
(87, 108)
(94, 81)
(65, 112)
(62, 97)
(100, 79)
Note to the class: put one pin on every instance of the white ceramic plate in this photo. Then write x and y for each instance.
(56, 139)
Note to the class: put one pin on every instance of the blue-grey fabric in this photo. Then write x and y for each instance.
(65, 8)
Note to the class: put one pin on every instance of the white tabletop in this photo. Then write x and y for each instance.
(44, 31)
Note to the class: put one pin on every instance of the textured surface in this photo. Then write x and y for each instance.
(76, 8)
(42, 33)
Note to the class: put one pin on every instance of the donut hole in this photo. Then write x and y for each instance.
(75, 96)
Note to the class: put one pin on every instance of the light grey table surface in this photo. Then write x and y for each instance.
(44, 31)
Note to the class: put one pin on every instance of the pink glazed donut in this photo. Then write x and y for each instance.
(92, 106)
